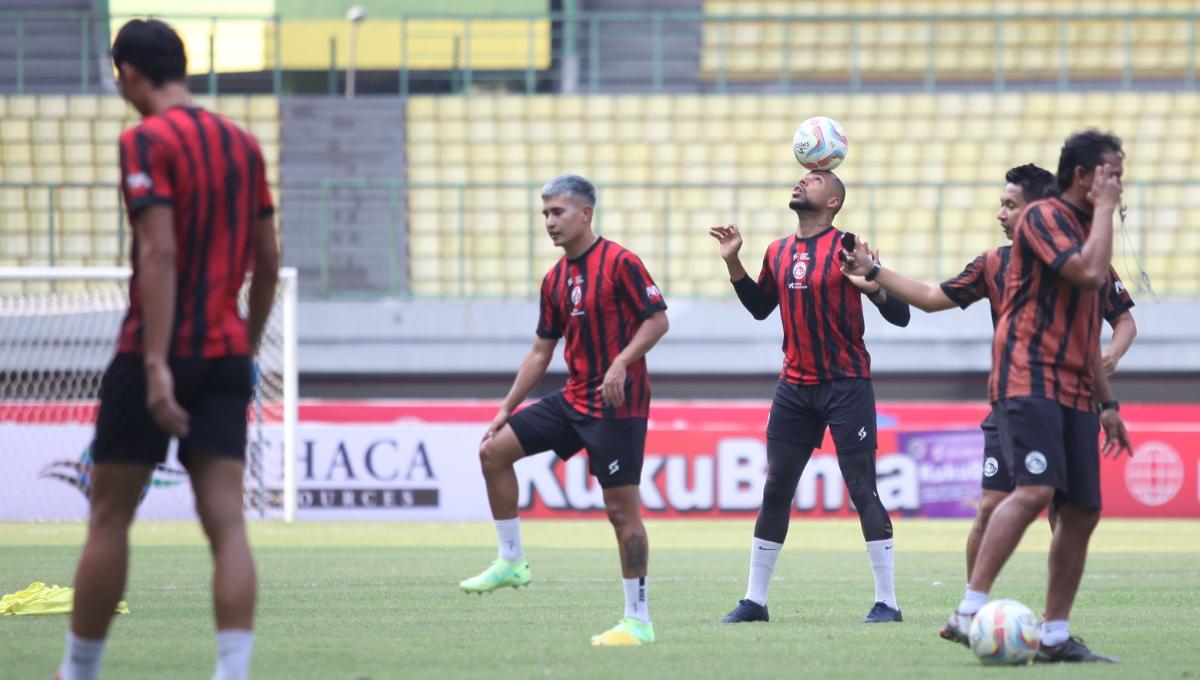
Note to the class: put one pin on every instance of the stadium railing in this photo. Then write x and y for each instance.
(486, 240)
(594, 51)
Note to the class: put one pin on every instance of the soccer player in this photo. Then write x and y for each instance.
(600, 298)
(826, 381)
(1047, 378)
(196, 191)
(984, 278)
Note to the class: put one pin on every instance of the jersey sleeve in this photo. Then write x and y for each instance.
(766, 279)
(1116, 297)
(970, 285)
(550, 322)
(636, 287)
(146, 172)
(1046, 233)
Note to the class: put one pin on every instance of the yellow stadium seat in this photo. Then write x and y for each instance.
(113, 108)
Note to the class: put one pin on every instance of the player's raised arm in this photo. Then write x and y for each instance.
(894, 310)
(757, 297)
(923, 296)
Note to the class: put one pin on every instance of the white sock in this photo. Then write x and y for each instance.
(508, 531)
(882, 563)
(1055, 633)
(82, 658)
(763, 555)
(233, 654)
(637, 605)
(972, 601)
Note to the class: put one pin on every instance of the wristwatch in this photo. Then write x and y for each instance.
(873, 273)
(1114, 405)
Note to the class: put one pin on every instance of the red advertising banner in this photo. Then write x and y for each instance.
(709, 459)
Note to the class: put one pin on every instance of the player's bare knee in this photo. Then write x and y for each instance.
(1033, 499)
(492, 457)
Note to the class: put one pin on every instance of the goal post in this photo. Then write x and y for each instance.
(58, 331)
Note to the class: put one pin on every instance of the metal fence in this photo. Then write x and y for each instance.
(486, 241)
(593, 51)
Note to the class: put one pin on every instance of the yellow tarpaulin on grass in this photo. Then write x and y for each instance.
(39, 598)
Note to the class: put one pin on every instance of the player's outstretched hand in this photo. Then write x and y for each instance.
(614, 385)
(730, 239)
(497, 423)
(1116, 437)
(160, 400)
(860, 261)
(1106, 188)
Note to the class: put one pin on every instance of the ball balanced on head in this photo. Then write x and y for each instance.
(819, 143)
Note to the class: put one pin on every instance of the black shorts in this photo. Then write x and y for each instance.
(1045, 443)
(995, 472)
(615, 446)
(800, 413)
(214, 392)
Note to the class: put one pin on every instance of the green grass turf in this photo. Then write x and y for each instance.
(379, 600)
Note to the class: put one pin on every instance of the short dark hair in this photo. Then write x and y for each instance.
(1085, 148)
(153, 48)
(839, 186)
(1035, 182)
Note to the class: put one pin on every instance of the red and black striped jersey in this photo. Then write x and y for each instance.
(983, 278)
(597, 301)
(1049, 329)
(212, 175)
(820, 308)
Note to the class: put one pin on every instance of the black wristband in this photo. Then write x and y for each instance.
(874, 272)
(1114, 405)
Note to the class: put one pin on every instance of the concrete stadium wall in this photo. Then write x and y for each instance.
(390, 337)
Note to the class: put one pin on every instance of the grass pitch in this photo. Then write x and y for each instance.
(380, 600)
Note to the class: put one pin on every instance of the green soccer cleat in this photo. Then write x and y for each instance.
(630, 632)
(501, 574)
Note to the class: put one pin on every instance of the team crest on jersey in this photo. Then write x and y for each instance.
(1119, 287)
(799, 271)
(576, 301)
(653, 293)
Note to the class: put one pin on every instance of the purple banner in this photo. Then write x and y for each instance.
(949, 468)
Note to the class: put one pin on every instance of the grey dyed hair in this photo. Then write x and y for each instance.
(571, 185)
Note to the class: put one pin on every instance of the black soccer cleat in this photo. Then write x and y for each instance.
(957, 629)
(881, 613)
(746, 611)
(1071, 651)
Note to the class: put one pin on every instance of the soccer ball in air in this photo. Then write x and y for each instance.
(819, 143)
(1004, 632)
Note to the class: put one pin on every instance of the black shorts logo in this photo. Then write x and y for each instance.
(990, 467)
(1035, 462)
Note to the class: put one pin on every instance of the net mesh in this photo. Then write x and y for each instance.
(57, 337)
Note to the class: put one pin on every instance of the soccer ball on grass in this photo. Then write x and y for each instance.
(1004, 632)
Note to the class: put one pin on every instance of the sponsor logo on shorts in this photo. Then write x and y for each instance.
(990, 467)
(613, 467)
(1035, 462)
(862, 433)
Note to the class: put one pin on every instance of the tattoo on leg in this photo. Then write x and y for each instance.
(635, 553)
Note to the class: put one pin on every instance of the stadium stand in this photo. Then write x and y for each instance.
(59, 202)
(724, 159)
(888, 40)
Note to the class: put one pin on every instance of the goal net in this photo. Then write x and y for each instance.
(58, 331)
